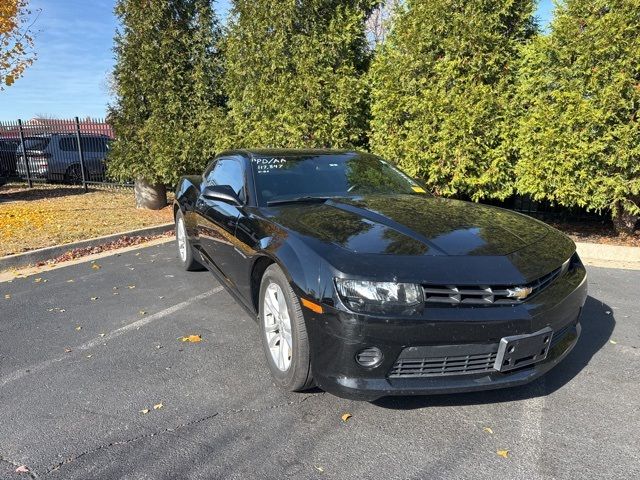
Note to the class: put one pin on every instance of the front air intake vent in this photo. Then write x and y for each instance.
(487, 294)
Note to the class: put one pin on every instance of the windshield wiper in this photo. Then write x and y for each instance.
(305, 199)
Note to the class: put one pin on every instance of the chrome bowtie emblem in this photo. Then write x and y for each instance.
(519, 292)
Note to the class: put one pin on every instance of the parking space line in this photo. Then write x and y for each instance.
(17, 375)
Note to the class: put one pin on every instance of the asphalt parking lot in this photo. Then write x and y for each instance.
(85, 350)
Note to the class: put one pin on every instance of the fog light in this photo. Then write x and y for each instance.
(369, 357)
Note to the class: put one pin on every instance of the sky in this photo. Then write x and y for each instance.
(74, 40)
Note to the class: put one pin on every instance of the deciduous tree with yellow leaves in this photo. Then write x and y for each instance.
(16, 40)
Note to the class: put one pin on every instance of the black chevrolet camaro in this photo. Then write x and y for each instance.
(365, 285)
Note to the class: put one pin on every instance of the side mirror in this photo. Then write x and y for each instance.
(221, 193)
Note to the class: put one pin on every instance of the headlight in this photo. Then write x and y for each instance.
(379, 297)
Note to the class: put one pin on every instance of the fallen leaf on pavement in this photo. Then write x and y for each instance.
(37, 280)
(61, 310)
(102, 334)
(22, 469)
(145, 411)
(79, 327)
(191, 338)
(142, 312)
(503, 453)
(320, 469)
(67, 350)
(345, 417)
(94, 298)
(488, 430)
(7, 296)
(89, 356)
(158, 406)
(70, 280)
(131, 286)
(95, 266)
(613, 342)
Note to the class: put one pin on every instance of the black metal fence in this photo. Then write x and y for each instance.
(550, 212)
(56, 151)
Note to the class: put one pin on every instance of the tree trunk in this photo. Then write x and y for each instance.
(625, 222)
(153, 197)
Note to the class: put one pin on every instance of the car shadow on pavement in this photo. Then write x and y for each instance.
(597, 322)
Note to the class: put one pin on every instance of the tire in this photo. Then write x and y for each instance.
(185, 251)
(73, 174)
(294, 375)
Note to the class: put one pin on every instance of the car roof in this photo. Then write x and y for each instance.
(284, 152)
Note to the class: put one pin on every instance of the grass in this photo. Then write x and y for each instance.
(53, 215)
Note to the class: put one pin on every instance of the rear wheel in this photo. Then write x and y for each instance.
(73, 174)
(185, 252)
(284, 334)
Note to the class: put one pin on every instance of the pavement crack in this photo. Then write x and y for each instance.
(174, 429)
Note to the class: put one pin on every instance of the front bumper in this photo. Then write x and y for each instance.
(337, 336)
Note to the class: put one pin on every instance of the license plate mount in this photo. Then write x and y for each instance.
(521, 350)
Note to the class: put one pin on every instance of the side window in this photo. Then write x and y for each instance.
(228, 172)
(93, 144)
(68, 144)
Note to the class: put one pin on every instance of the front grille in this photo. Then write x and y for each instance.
(442, 360)
(436, 367)
(484, 294)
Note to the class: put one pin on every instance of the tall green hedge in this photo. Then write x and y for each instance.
(168, 113)
(295, 73)
(442, 88)
(579, 126)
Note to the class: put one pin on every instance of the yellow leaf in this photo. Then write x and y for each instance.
(503, 453)
(613, 342)
(95, 266)
(191, 338)
(70, 281)
(488, 430)
(345, 417)
(78, 328)
(7, 296)
(158, 406)
(37, 280)
(131, 286)
(9, 79)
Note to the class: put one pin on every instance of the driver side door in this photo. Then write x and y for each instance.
(217, 220)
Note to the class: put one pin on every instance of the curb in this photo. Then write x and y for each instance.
(611, 256)
(32, 257)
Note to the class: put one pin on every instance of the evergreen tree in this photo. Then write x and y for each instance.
(295, 73)
(442, 86)
(579, 131)
(169, 110)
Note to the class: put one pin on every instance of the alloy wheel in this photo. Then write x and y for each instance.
(181, 235)
(277, 326)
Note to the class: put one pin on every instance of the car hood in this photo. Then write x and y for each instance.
(411, 225)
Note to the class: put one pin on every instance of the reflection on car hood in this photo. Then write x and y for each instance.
(412, 225)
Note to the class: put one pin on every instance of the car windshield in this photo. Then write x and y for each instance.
(289, 177)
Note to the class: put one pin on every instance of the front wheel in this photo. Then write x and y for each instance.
(185, 252)
(284, 334)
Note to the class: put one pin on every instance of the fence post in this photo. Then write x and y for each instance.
(81, 153)
(24, 154)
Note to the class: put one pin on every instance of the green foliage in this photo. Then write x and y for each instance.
(579, 134)
(442, 86)
(169, 110)
(295, 73)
